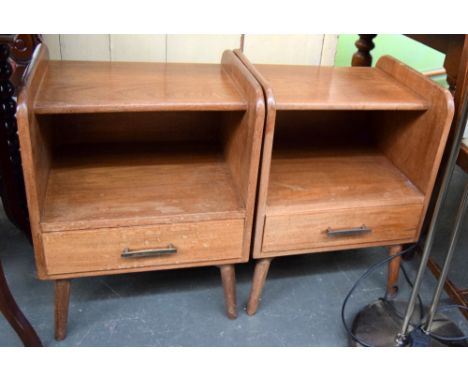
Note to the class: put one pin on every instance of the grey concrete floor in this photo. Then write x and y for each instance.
(300, 306)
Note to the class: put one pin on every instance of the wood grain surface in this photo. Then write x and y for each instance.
(35, 149)
(336, 88)
(82, 251)
(189, 156)
(88, 87)
(328, 147)
(124, 185)
(266, 151)
(228, 279)
(242, 140)
(328, 178)
(62, 301)
(308, 231)
(416, 145)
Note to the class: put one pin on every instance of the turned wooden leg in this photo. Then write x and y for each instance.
(393, 270)
(452, 63)
(14, 316)
(260, 274)
(62, 299)
(365, 44)
(228, 278)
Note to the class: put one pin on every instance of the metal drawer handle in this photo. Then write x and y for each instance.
(349, 231)
(169, 250)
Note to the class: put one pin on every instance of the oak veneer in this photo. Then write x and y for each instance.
(393, 270)
(133, 167)
(330, 88)
(349, 160)
(305, 180)
(62, 301)
(228, 278)
(77, 87)
(115, 185)
(100, 250)
(292, 233)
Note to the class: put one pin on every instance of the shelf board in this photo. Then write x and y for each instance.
(335, 88)
(88, 87)
(109, 186)
(329, 178)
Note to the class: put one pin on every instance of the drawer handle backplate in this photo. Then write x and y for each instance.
(348, 231)
(169, 250)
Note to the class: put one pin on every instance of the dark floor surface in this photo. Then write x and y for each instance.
(300, 307)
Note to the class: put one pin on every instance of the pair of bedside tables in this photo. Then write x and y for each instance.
(133, 167)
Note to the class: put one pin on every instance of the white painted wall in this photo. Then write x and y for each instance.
(284, 49)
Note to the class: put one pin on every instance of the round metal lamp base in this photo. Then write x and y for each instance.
(378, 324)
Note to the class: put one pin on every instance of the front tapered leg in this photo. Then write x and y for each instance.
(393, 270)
(62, 300)
(228, 278)
(260, 275)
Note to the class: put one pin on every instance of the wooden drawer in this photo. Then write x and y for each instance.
(84, 251)
(309, 231)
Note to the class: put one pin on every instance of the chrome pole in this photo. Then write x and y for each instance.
(401, 338)
(448, 260)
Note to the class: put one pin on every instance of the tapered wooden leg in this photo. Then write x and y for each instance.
(62, 299)
(393, 270)
(228, 278)
(260, 274)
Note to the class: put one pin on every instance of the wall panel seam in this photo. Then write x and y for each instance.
(321, 50)
(110, 46)
(60, 46)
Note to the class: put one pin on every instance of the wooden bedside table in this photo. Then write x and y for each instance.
(350, 156)
(134, 167)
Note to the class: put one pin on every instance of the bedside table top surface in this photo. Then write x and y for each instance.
(337, 88)
(89, 87)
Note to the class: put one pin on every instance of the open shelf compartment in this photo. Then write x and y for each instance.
(338, 179)
(117, 169)
(350, 156)
(324, 160)
(140, 158)
(304, 180)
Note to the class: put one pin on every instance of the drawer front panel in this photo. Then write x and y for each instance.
(310, 231)
(102, 249)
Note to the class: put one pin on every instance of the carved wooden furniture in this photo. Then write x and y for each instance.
(450, 45)
(349, 160)
(15, 55)
(134, 167)
(11, 185)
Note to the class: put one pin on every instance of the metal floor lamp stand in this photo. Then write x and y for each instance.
(380, 324)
